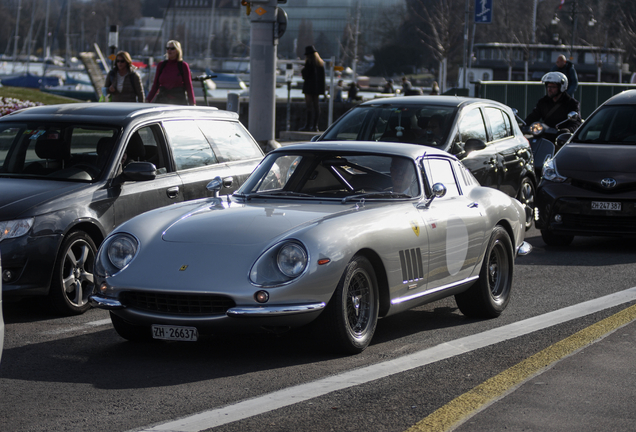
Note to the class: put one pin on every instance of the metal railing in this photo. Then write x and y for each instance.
(523, 95)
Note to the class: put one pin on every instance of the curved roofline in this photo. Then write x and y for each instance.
(399, 149)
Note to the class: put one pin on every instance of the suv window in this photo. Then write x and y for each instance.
(230, 140)
(189, 146)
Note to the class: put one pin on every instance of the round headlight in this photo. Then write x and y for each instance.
(292, 259)
(121, 250)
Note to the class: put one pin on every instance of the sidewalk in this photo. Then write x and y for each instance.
(593, 389)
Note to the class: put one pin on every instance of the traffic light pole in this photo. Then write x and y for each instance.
(263, 48)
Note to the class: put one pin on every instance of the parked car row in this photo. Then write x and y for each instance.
(337, 233)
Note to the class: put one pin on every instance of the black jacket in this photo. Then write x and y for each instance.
(314, 79)
(545, 112)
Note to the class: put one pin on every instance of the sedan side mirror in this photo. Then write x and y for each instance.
(474, 144)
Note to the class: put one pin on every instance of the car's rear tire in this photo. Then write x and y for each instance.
(73, 279)
(489, 296)
(350, 318)
(552, 239)
(131, 332)
(526, 197)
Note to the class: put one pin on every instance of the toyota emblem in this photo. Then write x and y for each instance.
(608, 183)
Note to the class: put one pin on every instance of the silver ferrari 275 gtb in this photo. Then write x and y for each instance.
(336, 234)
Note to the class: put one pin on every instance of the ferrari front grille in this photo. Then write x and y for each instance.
(177, 304)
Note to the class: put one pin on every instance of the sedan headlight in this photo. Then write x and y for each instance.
(550, 172)
(15, 228)
(281, 264)
(116, 253)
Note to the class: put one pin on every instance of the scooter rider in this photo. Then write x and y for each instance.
(555, 106)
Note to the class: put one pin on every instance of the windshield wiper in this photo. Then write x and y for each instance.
(280, 193)
(385, 194)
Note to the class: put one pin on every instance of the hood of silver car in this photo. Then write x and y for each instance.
(241, 224)
(589, 161)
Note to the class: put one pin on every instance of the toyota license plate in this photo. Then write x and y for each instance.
(176, 333)
(602, 205)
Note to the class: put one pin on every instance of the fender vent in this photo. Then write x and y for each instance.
(411, 263)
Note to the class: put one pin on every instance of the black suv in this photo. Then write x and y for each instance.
(482, 133)
(69, 174)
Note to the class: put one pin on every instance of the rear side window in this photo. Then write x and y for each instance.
(499, 127)
(472, 126)
(230, 141)
(189, 147)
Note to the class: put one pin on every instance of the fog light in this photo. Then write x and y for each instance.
(7, 275)
(261, 296)
(558, 218)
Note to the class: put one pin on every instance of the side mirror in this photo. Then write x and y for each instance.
(439, 190)
(139, 171)
(474, 144)
(215, 185)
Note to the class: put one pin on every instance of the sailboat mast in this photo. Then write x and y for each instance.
(17, 35)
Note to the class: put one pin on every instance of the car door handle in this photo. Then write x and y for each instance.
(172, 192)
(473, 205)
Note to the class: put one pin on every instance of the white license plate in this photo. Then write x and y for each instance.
(602, 205)
(177, 333)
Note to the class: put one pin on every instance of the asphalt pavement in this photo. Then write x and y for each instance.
(591, 386)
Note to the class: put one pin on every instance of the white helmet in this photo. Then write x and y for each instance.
(557, 78)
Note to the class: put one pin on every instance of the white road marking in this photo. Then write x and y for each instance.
(303, 392)
(77, 328)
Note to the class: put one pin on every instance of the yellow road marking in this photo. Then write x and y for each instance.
(468, 404)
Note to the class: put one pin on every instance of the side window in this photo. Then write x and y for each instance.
(154, 150)
(497, 119)
(189, 147)
(472, 126)
(440, 171)
(230, 140)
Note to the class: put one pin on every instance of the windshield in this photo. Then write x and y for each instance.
(610, 125)
(344, 176)
(423, 124)
(55, 150)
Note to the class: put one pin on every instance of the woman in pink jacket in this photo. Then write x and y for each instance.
(173, 80)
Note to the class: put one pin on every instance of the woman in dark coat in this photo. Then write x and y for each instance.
(123, 83)
(313, 86)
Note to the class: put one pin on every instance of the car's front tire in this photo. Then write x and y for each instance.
(490, 295)
(350, 318)
(131, 332)
(552, 239)
(526, 197)
(73, 279)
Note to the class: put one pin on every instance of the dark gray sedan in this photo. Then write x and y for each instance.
(482, 133)
(69, 174)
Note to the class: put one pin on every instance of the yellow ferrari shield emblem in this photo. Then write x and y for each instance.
(183, 267)
(416, 228)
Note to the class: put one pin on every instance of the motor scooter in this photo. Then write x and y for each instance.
(545, 141)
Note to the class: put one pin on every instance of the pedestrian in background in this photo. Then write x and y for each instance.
(566, 67)
(406, 86)
(352, 93)
(173, 80)
(434, 88)
(337, 95)
(313, 86)
(388, 87)
(123, 83)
